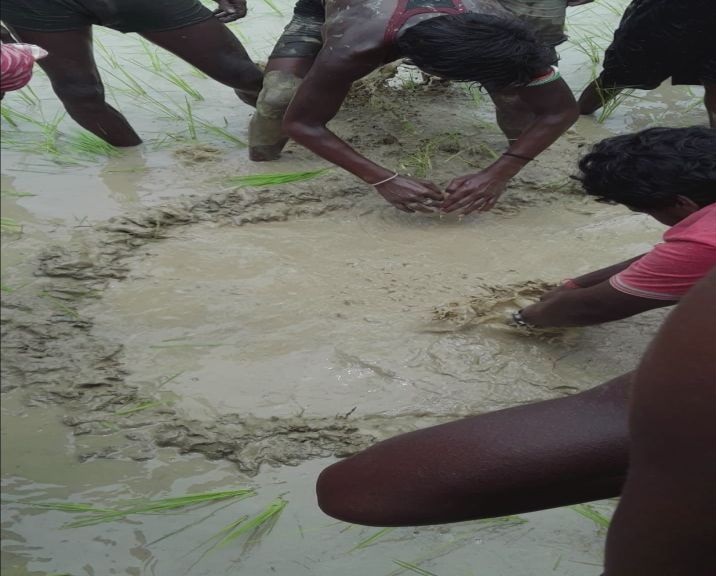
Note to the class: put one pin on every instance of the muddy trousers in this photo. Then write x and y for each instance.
(291, 58)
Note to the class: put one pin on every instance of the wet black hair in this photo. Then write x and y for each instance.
(496, 52)
(649, 169)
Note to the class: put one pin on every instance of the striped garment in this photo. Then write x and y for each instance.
(16, 64)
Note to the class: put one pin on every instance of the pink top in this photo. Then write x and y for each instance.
(672, 267)
(16, 62)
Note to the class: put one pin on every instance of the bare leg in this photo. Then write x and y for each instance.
(213, 49)
(511, 114)
(594, 96)
(542, 455)
(282, 78)
(75, 79)
(710, 103)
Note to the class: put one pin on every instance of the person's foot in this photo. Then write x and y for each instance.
(265, 153)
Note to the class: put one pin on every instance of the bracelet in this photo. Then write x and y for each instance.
(518, 156)
(395, 175)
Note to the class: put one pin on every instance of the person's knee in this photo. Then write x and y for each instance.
(276, 94)
(83, 91)
(238, 73)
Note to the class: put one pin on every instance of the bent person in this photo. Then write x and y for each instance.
(184, 27)
(669, 174)
(507, 46)
(657, 40)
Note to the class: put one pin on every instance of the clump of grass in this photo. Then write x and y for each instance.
(414, 568)
(590, 512)
(256, 527)
(371, 539)
(94, 515)
(610, 105)
(88, 144)
(10, 193)
(274, 179)
(10, 226)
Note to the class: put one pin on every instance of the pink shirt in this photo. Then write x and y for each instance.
(16, 62)
(672, 267)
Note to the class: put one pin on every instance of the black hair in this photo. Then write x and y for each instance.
(496, 52)
(649, 169)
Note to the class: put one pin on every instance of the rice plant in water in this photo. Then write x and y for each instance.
(274, 179)
(93, 515)
(611, 104)
(590, 512)
(414, 568)
(87, 144)
(10, 226)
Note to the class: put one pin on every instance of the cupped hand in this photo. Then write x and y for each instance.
(230, 10)
(411, 194)
(473, 192)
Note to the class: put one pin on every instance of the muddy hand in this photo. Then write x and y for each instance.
(230, 10)
(473, 192)
(411, 194)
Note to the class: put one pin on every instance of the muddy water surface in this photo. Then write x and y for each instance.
(166, 334)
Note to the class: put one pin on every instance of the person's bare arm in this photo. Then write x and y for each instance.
(587, 306)
(664, 524)
(318, 100)
(555, 111)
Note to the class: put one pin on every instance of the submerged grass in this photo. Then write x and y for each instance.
(94, 515)
(590, 512)
(274, 179)
(10, 226)
(87, 144)
(414, 568)
(371, 539)
(137, 408)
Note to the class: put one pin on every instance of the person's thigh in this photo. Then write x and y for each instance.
(70, 61)
(210, 46)
(46, 15)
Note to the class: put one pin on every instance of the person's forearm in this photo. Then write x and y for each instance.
(542, 132)
(599, 276)
(567, 310)
(531, 457)
(321, 141)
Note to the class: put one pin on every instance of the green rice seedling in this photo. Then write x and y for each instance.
(190, 119)
(178, 81)
(256, 527)
(10, 226)
(88, 144)
(590, 512)
(123, 77)
(273, 7)
(164, 505)
(152, 54)
(70, 507)
(169, 379)
(473, 90)
(10, 193)
(106, 53)
(137, 408)
(275, 179)
(60, 305)
(414, 568)
(28, 95)
(6, 288)
(221, 132)
(371, 539)
(610, 106)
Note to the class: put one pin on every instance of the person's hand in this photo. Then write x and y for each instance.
(411, 194)
(578, 2)
(474, 192)
(230, 10)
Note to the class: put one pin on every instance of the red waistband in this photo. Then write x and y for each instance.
(401, 15)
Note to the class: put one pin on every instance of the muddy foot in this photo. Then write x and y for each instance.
(264, 153)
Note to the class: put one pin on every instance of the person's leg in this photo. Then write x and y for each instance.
(213, 49)
(282, 78)
(710, 102)
(289, 62)
(511, 113)
(526, 458)
(75, 79)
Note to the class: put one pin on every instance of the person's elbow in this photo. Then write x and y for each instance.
(299, 130)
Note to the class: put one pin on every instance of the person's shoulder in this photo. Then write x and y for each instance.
(698, 227)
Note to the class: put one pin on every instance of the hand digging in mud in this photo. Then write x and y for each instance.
(410, 194)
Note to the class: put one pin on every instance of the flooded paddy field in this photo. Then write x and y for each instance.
(166, 332)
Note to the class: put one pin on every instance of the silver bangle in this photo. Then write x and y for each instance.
(394, 176)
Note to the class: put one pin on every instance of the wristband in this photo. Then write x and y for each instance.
(395, 175)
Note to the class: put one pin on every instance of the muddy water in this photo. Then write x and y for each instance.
(276, 329)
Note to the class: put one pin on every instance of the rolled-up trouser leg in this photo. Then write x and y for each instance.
(266, 139)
